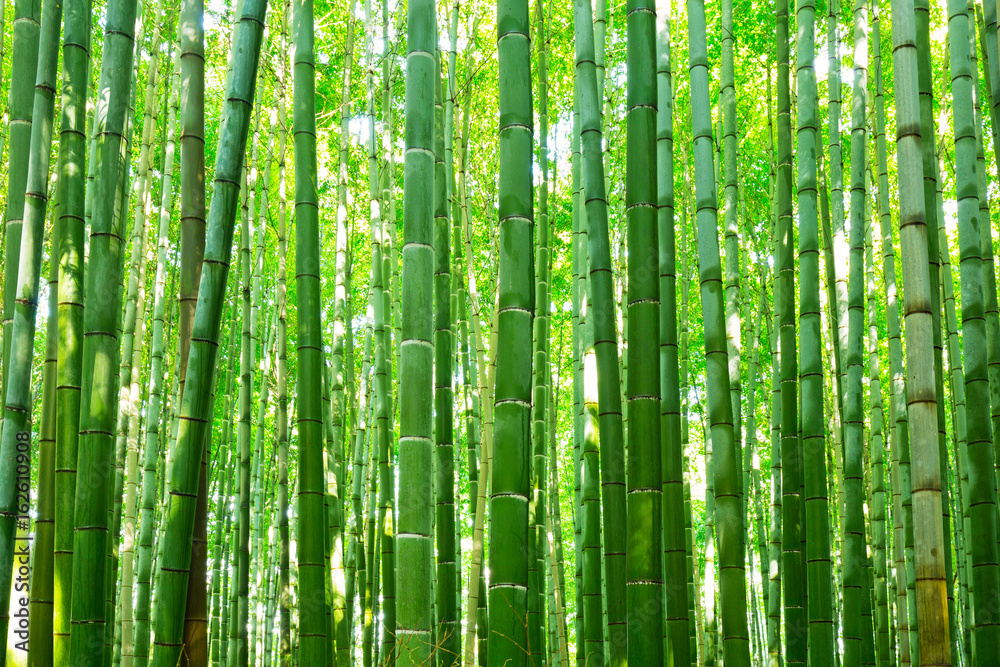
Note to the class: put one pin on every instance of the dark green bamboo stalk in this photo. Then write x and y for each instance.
(471, 373)
(882, 630)
(414, 541)
(554, 525)
(260, 481)
(834, 208)
(992, 326)
(643, 561)
(360, 461)
(695, 643)
(340, 400)
(510, 484)
(731, 197)
(192, 243)
(41, 585)
(310, 534)
(590, 175)
(819, 609)
(774, 547)
(369, 645)
(579, 410)
(222, 514)
(239, 607)
(991, 77)
(381, 275)
(774, 652)
(710, 608)
(135, 316)
(792, 518)
(192, 158)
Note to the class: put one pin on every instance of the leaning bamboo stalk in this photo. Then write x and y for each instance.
(29, 202)
(982, 496)
(185, 473)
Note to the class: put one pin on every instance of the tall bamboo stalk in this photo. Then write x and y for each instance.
(509, 484)
(732, 581)
(414, 541)
(70, 256)
(675, 612)
(101, 326)
(643, 560)
(858, 631)
(921, 398)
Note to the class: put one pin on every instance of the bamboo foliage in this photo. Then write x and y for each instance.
(194, 534)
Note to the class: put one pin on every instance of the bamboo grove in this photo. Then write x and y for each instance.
(516, 335)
